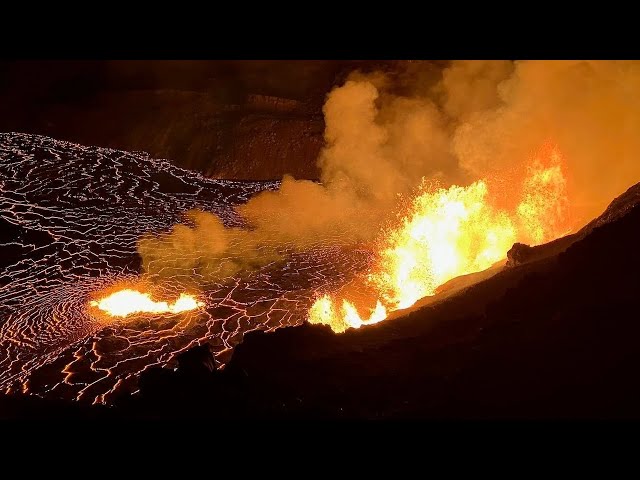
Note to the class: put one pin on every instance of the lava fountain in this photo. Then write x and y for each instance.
(129, 302)
(449, 232)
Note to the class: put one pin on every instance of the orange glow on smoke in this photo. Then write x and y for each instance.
(451, 232)
(129, 302)
(543, 212)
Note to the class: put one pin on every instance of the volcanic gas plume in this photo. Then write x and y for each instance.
(438, 177)
(71, 216)
(118, 262)
(448, 233)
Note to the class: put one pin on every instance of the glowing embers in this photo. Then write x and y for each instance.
(543, 212)
(323, 311)
(124, 303)
(447, 233)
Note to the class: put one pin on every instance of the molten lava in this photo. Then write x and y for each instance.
(128, 302)
(446, 234)
(543, 211)
(451, 232)
(323, 311)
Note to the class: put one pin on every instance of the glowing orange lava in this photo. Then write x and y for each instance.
(128, 302)
(323, 311)
(451, 232)
(543, 212)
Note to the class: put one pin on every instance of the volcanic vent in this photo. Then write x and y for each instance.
(71, 217)
(116, 262)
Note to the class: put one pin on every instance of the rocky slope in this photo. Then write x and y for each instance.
(556, 337)
(229, 119)
(617, 209)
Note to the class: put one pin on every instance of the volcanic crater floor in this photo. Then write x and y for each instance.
(70, 216)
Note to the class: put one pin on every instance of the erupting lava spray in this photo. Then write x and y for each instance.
(427, 173)
(451, 232)
(457, 141)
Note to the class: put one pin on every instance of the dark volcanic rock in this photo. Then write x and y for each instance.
(20, 407)
(554, 337)
(197, 360)
(518, 254)
(618, 208)
(231, 119)
(267, 143)
(156, 382)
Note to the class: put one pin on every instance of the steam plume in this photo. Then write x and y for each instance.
(386, 131)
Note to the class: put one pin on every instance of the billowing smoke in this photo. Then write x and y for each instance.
(590, 109)
(386, 131)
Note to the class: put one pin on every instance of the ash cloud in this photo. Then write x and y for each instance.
(385, 131)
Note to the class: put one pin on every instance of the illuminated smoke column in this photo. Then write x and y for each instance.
(474, 130)
(447, 233)
(389, 133)
(74, 219)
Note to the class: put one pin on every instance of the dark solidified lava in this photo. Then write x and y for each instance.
(70, 218)
(556, 337)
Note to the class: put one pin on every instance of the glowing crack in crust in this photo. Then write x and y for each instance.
(70, 217)
(452, 232)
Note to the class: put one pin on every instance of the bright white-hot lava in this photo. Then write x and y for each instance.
(448, 232)
(129, 302)
(75, 220)
(74, 215)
